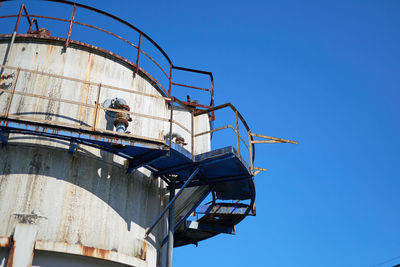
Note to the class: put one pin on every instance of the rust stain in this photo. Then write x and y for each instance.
(10, 262)
(88, 251)
(144, 251)
(95, 252)
(103, 253)
(49, 50)
(5, 241)
(86, 88)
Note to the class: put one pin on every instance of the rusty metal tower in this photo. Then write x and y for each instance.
(96, 149)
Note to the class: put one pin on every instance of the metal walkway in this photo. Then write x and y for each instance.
(223, 170)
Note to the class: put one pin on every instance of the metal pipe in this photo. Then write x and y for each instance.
(170, 125)
(97, 108)
(186, 216)
(192, 87)
(237, 132)
(70, 27)
(251, 153)
(138, 52)
(192, 133)
(170, 80)
(172, 201)
(171, 224)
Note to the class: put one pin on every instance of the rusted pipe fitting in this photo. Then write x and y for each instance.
(122, 119)
(42, 32)
(180, 140)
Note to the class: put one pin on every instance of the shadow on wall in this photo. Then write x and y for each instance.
(135, 197)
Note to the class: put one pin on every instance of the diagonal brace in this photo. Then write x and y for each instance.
(171, 202)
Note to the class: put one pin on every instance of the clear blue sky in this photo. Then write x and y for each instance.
(324, 73)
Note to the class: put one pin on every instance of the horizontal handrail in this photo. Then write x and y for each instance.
(58, 123)
(193, 87)
(251, 146)
(222, 128)
(85, 82)
(272, 139)
(81, 104)
(67, 40)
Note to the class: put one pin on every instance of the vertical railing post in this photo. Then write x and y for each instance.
(12, 93)
(171, 222)
(138, 52)
(8, 52)
(170, 125)
(251, 152)
(97, 108)
(237, 132)
(19, 18)
(30, 25)
(170, 80)
(192, 133)
(70, 27)
(212, 98)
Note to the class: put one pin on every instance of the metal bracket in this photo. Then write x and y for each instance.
(258, 170)
(72, 147)
(4, 138)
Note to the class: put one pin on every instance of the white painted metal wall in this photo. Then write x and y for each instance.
(84, 204)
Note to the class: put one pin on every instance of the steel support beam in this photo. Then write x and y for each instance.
(171, 223)
(4, 138)
(146, 159)
(172, 201)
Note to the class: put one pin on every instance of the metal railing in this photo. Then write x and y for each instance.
(92, 124)
(190, 106)
(167, 73)
(250, 145)
(80, 122)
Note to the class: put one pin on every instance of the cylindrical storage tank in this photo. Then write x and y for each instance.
(76, 204)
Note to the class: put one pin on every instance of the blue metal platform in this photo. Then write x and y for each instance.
(223, 170)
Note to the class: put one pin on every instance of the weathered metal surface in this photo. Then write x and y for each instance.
(86, 201)
(44, 98)
(21, 253)
(77, 249)
(32, 18)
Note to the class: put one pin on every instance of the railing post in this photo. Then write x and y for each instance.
(19, 18)
(30, 25)
(251, 153)
(212, 99)
(171, 223)
(97, 108)
(237, 132)
(138, 52)
(12, 93)
(170, 80)
(170, 125)
(70, 27)
(5, 61)
(192, 133)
